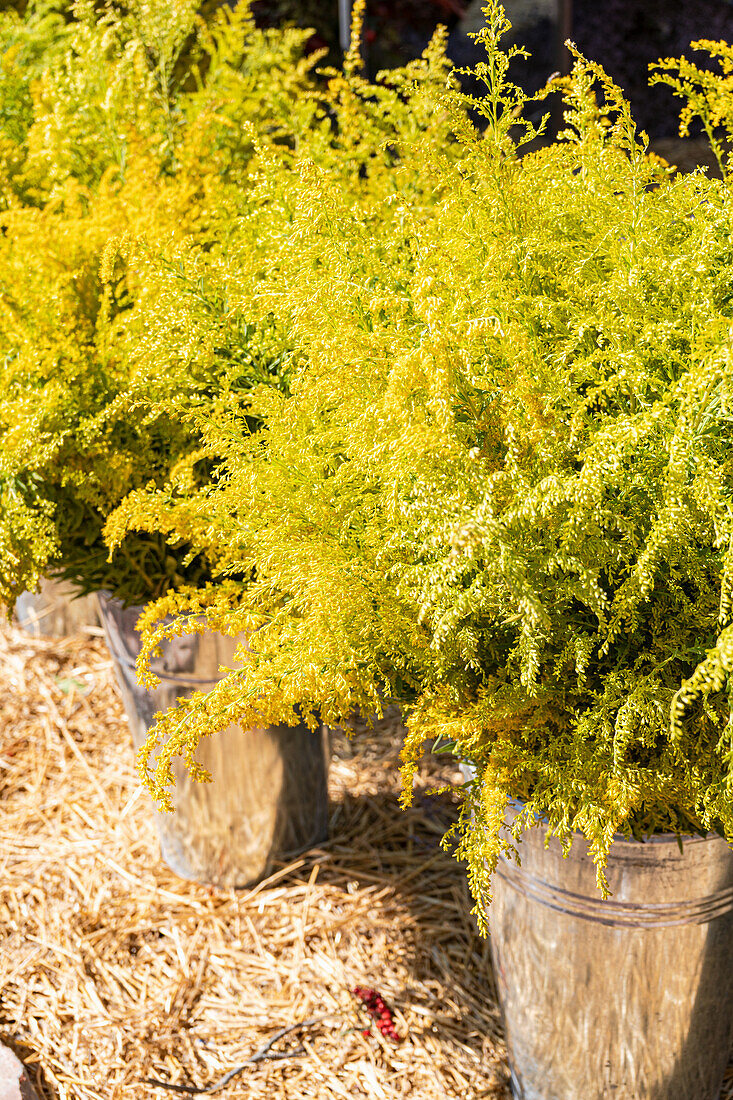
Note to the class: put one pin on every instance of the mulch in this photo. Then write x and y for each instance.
(121, 980)
(116, 973)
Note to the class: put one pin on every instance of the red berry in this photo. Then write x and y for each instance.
(380, 1012)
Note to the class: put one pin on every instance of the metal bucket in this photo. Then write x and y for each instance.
(625, 999)
(55, 610)
(269, 795)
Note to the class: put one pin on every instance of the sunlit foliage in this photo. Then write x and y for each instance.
(129, 135)
(499, 489)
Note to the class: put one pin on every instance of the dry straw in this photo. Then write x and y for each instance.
(114, 971)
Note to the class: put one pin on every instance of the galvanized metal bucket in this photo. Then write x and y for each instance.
(625, 999)
(55, 610)
(269, 795)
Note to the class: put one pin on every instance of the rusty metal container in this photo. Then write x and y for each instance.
(625, 999)
(269, 795)
(56, 610)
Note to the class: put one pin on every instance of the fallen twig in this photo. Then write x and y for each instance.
(261, 1055)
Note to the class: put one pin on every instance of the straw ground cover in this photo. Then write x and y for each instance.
(113, 971)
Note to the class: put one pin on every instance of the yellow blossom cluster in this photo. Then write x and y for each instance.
(126, 141)
(456, 402)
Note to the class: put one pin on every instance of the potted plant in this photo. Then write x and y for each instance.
(225, 337)
(26, 47)
(500, 493)
(137, 141)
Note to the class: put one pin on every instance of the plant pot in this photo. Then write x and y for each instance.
(269, 795)
(629, 998)
(55, 610)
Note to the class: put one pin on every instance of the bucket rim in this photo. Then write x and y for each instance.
(518, 805)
